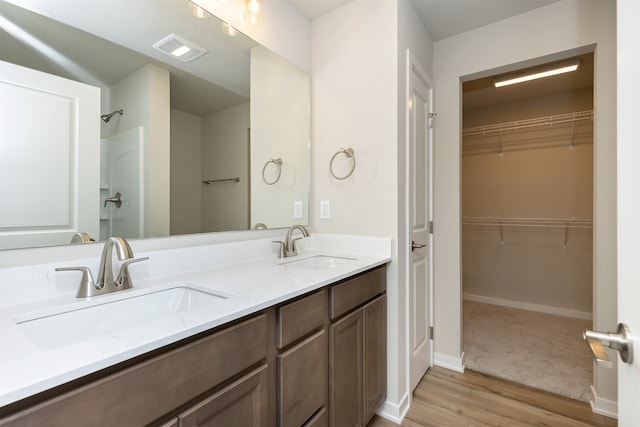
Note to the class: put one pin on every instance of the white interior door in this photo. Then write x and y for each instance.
(419, 174)
(51, 124)
(628, 12)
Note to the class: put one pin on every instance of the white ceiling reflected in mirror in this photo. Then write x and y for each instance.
(172, 125)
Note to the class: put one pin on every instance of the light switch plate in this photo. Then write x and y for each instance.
(325, 209)
(297, 209)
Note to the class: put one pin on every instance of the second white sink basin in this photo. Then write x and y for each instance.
(318, 262)
(72, 324)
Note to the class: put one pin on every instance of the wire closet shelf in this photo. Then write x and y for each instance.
(528, 222)
(502, 222)
(570, 129)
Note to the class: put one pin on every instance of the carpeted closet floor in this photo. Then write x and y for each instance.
(541, 350)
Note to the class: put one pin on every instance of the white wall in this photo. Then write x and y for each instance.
(186, 173)
(280, 129)
(559, 27)
(225, 154)
(359, 100)
(144, 97)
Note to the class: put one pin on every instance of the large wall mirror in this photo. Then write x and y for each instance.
(104, 134)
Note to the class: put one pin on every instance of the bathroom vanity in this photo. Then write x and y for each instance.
(315, 356)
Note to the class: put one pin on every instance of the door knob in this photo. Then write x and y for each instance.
(620, 341)
(115, 199)
(415, 246)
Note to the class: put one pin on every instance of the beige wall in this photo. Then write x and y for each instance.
(568, 26)
(225, 154)
(186, 173)
(542, 178)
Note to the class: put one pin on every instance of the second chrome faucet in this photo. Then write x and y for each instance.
(106, 283)
(288, 246)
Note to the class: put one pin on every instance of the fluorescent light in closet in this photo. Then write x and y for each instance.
(552, 70)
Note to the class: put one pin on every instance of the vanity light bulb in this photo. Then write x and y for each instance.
(197, 11)
(228, 29)
(253, 14)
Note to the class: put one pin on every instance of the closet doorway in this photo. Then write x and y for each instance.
(527, 221)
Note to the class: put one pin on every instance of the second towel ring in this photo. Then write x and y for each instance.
(350, 154)
(278, 163)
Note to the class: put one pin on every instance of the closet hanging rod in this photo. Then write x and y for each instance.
(529, 222)
(209, 181)
(524, 124)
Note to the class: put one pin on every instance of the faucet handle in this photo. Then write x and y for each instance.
(293, 248)
(87, 285)
(282, 248)
(124, 278)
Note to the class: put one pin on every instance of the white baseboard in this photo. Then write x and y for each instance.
(602, 406)
(394, 412)
(531, 307)
(449, 362)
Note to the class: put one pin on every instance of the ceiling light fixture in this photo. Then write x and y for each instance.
(253, 14)
(552, 70)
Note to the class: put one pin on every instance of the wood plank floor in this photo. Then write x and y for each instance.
(446, 398)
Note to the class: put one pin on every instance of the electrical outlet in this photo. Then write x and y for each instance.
(325, 209)
(297, 209)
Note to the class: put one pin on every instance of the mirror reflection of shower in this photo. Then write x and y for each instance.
(106, 117)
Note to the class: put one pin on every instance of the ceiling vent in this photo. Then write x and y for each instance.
(179, 48)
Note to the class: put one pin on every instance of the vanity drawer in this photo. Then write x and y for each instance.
(302, 380)
(353, 292)
(299, 318)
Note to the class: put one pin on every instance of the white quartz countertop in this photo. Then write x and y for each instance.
(248, 286)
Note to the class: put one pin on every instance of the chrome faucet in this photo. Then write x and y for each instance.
(106, 282)
(288, 247)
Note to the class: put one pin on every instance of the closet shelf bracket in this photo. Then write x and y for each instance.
(573, 135)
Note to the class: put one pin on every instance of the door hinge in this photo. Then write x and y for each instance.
(432, 120)
(430, 332)
(430, 227)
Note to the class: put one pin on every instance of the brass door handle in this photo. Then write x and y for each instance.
(415, 245)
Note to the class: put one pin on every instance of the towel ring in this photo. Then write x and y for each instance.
(278, 163)
(350, 154)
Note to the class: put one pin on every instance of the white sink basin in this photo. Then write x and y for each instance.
(318, 262)
(115, 313)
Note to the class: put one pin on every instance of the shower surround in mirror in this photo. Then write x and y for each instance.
(219, 116)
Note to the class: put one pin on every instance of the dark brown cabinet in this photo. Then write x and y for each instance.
(302, 363)
(147, 392)
(315, 361)
(242, 403)
(357, 348)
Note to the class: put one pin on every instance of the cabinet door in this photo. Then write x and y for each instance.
(345, 371)
(243, 404)
(375, 355)
(302, 380)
